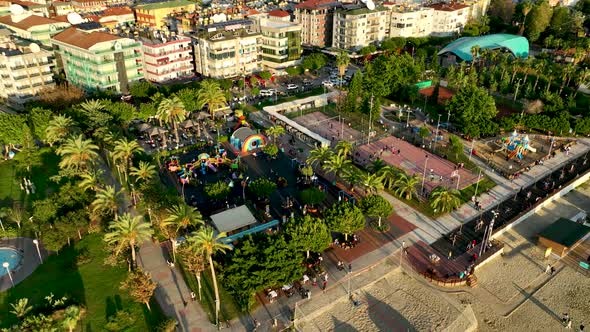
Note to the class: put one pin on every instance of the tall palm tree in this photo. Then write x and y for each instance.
(71, 317)
(17, 214)
(539, 67)
(344, 148)
(77, 153)
(372, 182)
(107, 201)
(352, 176)
(128, 231)
(526, 9)
(180, 217)
(93, 105)
(406, 186)
(91, 179)
(172, 110)
(377, 165)
(21, 308)
(319, 156)
(337, 164)
(342, 62)
(206, 240)
(124, 151)
(144, 172)
(275, 132)
(211, 95)
(194, 261)
(58, 128)
(581, 78)
(445, 200)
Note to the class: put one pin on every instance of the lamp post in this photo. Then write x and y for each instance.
(471, 150)
(370, 120)
(6, 265)
(436, 135)
(408, 119)
(448, 119)
(349, 277)
(36, 242)
(244, 183)
(2, 225)
(488, 233)
(401, 254)
(424, 174)
(458, 180)
(477, 183)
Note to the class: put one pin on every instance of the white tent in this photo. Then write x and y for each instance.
(233, 219)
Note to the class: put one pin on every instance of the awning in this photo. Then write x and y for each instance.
(232, 219)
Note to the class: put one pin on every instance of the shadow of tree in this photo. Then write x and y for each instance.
(385, 317)
(341, 326)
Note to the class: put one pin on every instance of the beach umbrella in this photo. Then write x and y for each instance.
(157, 131)
(143, 127)
(202, 116)
(188, 124)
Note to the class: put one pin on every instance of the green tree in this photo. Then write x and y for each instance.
(217, 190)
(376, 207)
(72, 315)
(344, 218)
(312, 196)
(354, 92)
(342, 62)
(371, 182)
(21, 308)
(144, 172)
(405, 186)
(127, 232)
(142, 89)
(91, 179)
(344, 148)
(423, 133)
(455, 146)
(39, 119)
(194, 261)
(210, 94)
(140, 286)
(473, 109)
(210, 244)
(265, 75)
(262, 187)
(445, 200)
(107, 201)
(11, 126)
(306, 171)
(272, 150)
(58, 129)
(390, 175)
(275, 132)
(172, 110)
(319, 156)
(314, 61)
(77, 153)
(180, 217)
(337, 165)
(124, 151)
(538, 20)
(309, 234)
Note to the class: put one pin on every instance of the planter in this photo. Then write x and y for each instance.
(380, 229)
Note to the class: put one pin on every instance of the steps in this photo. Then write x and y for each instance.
(472, 280)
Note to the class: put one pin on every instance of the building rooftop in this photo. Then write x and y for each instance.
(447, 7)
(232, 219)
(354, 9)
(278, 13)
(83, 39)
(317, 4)
(517, 45)
(565, 232)
(278, 24)
(164, 4)
(27, 22)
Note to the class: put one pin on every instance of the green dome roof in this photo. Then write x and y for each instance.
(517, 45)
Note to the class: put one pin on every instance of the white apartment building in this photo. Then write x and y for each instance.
(33, 27)
(227, 49)
(355, 26)
(316, 18)
(167, 57)
(449, 18)
(280, 43)
(409, 21)
(25, 70)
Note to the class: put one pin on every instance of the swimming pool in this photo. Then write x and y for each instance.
(12, 256)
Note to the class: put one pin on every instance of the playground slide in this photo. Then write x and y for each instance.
(512, 154)
(530, 148)
(212, 167)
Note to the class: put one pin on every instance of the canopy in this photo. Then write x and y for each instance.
(157, 131)
(232, 219)
(203, 156)
(144, 127)
(202, 116)
(188, 123)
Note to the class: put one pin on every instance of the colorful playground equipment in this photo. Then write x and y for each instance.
(246, 140)
(516, 145)
(204, 160)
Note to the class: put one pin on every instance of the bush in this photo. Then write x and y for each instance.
(217, 190)
(271, 150)
(294, 71)
(262, 187)
(312, 196)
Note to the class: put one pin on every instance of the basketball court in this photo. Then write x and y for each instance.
(413, 160)
(328, 127)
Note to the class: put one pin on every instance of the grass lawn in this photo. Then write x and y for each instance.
(229, 309)
(93, 284)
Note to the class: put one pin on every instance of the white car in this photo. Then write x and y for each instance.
(267, 93)
(328, 84)
(292, 87)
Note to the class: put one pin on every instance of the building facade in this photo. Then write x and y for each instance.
(155, 14)
(25, 70)
(33, 27)
(98, 60)
(409, 21)
(167, 58)
(449, 18)
(355, 26)
(227, 49)
(316, 18)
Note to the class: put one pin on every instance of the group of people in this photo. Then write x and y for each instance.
(347, 244)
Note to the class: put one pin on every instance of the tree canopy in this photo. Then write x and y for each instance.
(345, 218)
(473, 109)
(309, 234)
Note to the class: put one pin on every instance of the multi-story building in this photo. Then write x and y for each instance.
(449, 18)
(316, 19)
(477, 8)
(280, 43)
(113, 16)
(25, 70)
(155, 14)
(227, 49)
(167, 57)
(40, 7)
(409, 20)
(4, 8)
(33, 27)
(356, 26)
(87, 6)
(98, 60)
(59, 8)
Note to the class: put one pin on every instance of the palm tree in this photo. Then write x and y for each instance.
(406, 186)
(17, 214)
(92, 106)
(107, 201)
(342, 62)
(21, 308)
(194, 261)
(124, 151)
(539, 67)
(581, 78)
(58, 128)
(372, 182)
(91, 179)
(344, 148)
(144, 172)
(172, 110)
(319, 156)
(206, 240)
(128, 231)
(377, 165)
(352, 176)
(77, 153)
(211, 95)
(445, 200)
(181, 216)
(390, 175)
(526, 9)
(275, 132)
(337, 164)
(71, 317)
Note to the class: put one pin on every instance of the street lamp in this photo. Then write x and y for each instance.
(6, 265)
(424, 174)
(2, 225)
(36, 242)
(401, 254)
(244, 183)
(471, 150)
(436, 135)
(488, 233)
(458, 180)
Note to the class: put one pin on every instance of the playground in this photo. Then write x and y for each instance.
(513, 153)
(414, 160)
(331, 128)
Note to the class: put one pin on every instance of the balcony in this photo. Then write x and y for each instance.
(157, 55)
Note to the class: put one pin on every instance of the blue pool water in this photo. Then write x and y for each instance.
(11, 256)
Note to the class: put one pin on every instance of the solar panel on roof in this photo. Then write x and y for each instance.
(88, 25)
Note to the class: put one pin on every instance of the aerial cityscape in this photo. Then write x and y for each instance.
(314, 165)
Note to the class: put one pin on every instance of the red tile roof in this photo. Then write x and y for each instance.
(448, 7)
(117, 11)
(83, 39)
(278, 13)
(313, 4)
(28, 22)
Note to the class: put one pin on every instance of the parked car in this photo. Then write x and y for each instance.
(306, 82)
(267, 93)
(328, 84)
(292, 87)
